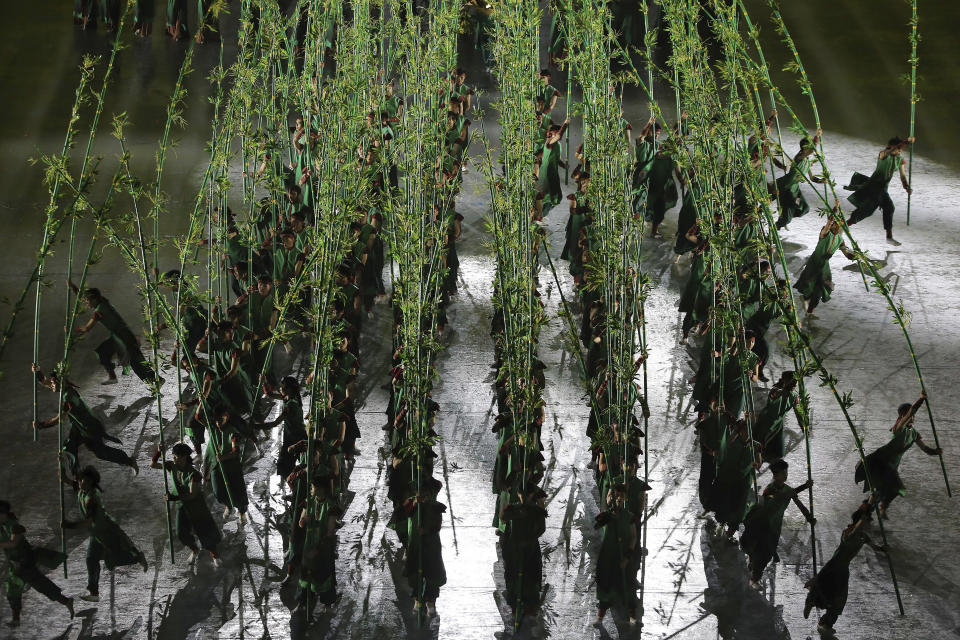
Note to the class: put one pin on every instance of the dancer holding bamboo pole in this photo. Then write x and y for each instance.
(870, 192)
(108, 542)
(884, 463)
(194, 521)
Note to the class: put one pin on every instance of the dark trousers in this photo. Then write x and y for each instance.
(762, 349)
(886, 206)
(110, 348)
(97, 447)
(189, 531)
(688, 322)
(95, 554)
(31, 575)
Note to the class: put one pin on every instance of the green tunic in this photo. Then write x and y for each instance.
(23, 559)
(768, 428)
(18, 555)
(118, 549)
(747, 234)
(546, 93)
(787, 191)
(764, 521)
(870, 192)
(425, 570)
(816, 280)
(549, 183)
(285, 264)
(685, 220)
(732, 484)
(143, 13)
(736, 384)
(695, 282)
(193, 324)
(177, 16)
(260, 309)
(318, 571)
(81, 419)
(523, 560)
(545, 122)
(661, 188)
(226, 475)
(193, 515)
(829, 588)
(616, 584)
(884, 463)
(391, 106)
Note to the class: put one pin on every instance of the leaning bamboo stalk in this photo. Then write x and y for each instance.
(844, 403)
(50, 227)
(135, 193)
(70, 317)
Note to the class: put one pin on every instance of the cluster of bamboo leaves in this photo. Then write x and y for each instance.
(615, 235)
(516, 235)
(419, 211)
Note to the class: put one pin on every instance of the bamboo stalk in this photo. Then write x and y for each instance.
(830, 381)
(914, 39)
(119, 123)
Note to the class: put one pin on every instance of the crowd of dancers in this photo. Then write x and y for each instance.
(227, 404)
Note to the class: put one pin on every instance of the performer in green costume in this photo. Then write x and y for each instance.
(768, 425)
(318, 572)
(525, 522)
(122, 343)
(762, 525)
(661, 188)
(108, 542)
(619, 558)
(736, 462)
(828, 589)
(193, 515)
(870, 193)
(815, 283)
(110, 12)
(85, 13)
(223, 463)
(84, 428)
(22, 569)
(177, 19)
(291, 415)
(143, 18)
(424, 569)
(884, 463)
(547, 92)
(547, 166)
(687, 217)
(786, 189)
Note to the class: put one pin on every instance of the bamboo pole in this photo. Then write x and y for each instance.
(151, 309)
(830, 381)
(914, 39)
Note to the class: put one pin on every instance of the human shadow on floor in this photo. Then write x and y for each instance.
(741, 612)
